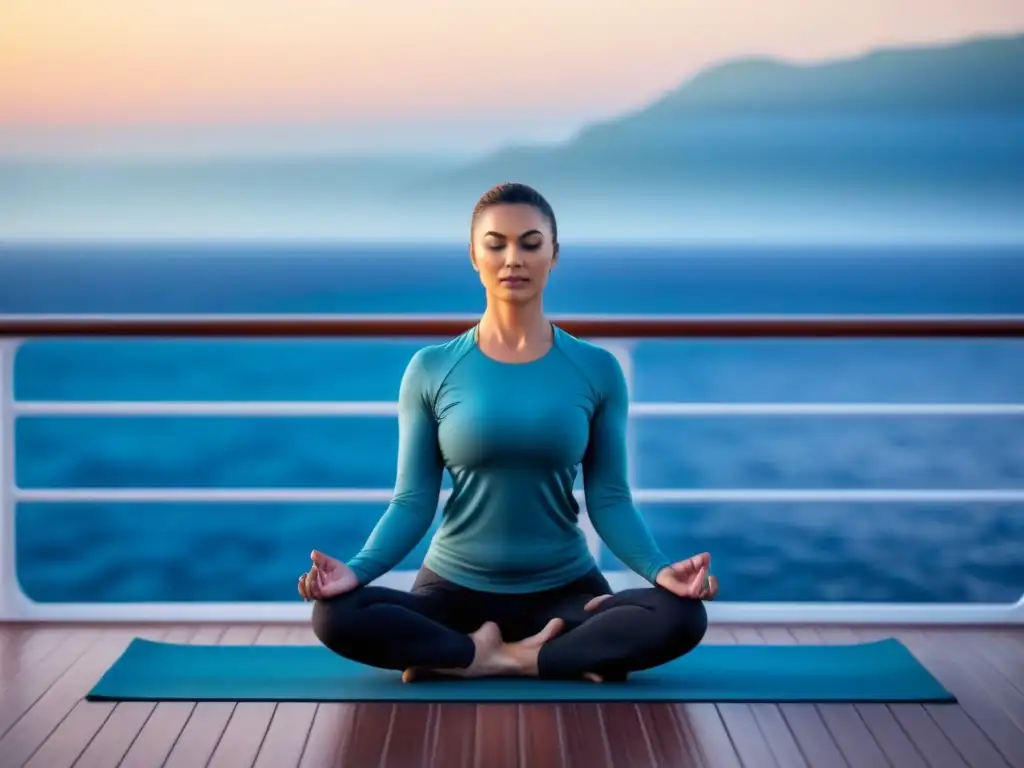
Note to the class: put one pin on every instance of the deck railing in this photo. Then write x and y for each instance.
(612, 331)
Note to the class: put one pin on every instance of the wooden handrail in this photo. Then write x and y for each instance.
(603, 326)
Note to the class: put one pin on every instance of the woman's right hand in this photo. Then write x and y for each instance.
(326, 578)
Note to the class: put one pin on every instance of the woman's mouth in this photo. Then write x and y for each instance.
(514, 282)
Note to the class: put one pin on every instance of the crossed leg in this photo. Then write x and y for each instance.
(632, 630)
(394, 629)
(437, 626)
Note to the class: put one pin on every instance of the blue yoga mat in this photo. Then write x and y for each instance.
(882, 671)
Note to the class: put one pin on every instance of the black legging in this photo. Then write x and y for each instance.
(428, 626)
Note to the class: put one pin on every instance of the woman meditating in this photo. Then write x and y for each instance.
(513, 408)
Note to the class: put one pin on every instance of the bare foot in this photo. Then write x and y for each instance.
(524, 653)
(487, 657)
(596, 678)
(494, 657)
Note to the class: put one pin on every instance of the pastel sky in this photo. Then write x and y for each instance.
(453, 72)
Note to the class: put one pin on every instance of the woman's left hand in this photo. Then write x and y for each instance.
(690, 578)
(687, 578)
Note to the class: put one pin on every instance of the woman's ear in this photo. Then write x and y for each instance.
(472, 258)
(554, 256)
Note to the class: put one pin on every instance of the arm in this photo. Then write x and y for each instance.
(417, 484)
(606, 483)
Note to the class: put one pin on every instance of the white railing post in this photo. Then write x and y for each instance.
(8, 572)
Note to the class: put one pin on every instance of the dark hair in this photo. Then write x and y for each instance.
(514, 193)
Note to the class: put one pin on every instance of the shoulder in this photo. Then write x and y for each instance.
(430, 365)
(598, 365)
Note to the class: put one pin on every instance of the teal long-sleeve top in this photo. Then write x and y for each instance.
(513, 437)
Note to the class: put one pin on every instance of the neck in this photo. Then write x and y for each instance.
(515, 326)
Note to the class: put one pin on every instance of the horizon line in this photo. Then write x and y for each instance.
(938, 245)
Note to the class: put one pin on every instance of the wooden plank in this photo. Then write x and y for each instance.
(744, 731)
(409, 736)
(628, 741)
(938, 750)
(32, 682)
(371, 730)
(332, 722)
(711, 738)
(804, 720)
(913, 719)
(781, 740)
(290, 727)
(115, 737)
(198, 740)
(879, 720)
(243, 736)
(331, 729)
(149, 746)
(540, 735)
(952, 721)
(893, 740)
(83, 726)
(453, 737)
(584, 739)
(49, 711)
(999, 650)
(982, 694)
(497, 736)
(46, 724)
(858, 746)
(25, 646)
(669, 740)
(1013, 634)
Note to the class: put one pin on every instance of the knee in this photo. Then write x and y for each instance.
(682, 621)
(335, 619)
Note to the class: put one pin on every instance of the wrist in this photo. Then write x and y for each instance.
(361, 575)
(660, 572)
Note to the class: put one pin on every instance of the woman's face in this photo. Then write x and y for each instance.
(513, 251)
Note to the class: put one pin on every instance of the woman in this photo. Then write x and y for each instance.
(512, 408)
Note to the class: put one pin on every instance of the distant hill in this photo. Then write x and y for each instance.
(985, 74)
(923, 111)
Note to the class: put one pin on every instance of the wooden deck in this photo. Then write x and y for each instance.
(44, 722)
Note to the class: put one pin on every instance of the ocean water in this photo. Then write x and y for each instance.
(851, 176)
(762, 551)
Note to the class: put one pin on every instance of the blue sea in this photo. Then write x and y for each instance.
(762, 551)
